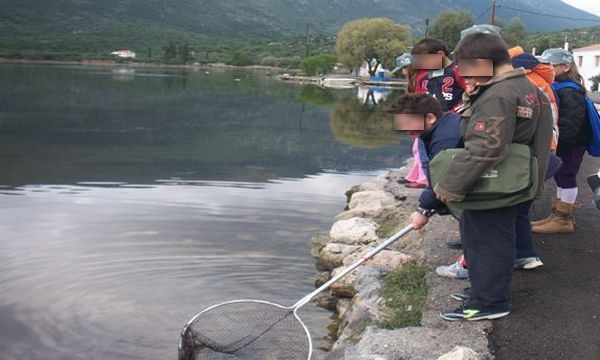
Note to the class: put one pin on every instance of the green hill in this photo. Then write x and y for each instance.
(91, 27)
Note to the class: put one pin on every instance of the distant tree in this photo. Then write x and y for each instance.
(184, 53)
(448, 25)
(149, 53)
(318, 64)
(241, 58)
(270, 61)
(376, 41)
(514, 33)
(170, 51)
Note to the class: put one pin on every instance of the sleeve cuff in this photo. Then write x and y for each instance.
(448, 195)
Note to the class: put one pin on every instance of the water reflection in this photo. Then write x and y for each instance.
(127, 206)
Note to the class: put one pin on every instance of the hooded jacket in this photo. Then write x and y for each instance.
(573, 123)
(506, 109)
(542, 76)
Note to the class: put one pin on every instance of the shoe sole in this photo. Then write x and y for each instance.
(458, 298)
(489, 317)
(451, 277)
(531, 267)
(477, 318)
(553, 232)
(449, 318)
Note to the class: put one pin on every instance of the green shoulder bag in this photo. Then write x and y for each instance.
(511, 182)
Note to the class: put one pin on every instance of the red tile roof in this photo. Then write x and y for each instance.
(588, 48)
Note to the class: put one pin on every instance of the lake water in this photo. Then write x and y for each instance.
(132, 199)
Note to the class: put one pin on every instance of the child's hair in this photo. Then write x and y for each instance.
(411, 80)
(483, 46)
(573, 75)
(417, 104)
(430, 46)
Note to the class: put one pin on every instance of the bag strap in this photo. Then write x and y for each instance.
(565, 84)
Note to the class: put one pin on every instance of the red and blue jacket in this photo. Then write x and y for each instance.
(444, 84)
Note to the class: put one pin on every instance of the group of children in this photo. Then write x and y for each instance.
(481, 98)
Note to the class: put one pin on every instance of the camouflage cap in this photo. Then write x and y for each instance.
(556, 56)
(478, 29)
(402, 61)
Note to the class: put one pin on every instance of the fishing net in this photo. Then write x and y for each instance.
(245, 329)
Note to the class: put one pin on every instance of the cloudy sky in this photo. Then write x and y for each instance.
(591, 6)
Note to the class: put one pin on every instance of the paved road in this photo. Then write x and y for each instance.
(556, 309)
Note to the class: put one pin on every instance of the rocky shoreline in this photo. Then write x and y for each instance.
(375, 210)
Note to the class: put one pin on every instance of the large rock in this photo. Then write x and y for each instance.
(325, 301)
(415, 343)
(364, 309)
(371, 202)
(386, 260)
(317, 243)
(341, 307)
(374, 185)
(460, 353)
(354, 231)
(344, 287)
(332, 255)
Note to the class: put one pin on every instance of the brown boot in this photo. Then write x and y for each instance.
(561, 223)
(555, 202)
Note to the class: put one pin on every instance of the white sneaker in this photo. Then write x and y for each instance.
(529, 263)
(454, 271)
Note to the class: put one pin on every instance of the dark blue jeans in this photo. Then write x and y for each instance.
(524, 243)
(523, 240)
(489, 240)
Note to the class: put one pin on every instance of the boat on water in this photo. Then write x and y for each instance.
(338, 82)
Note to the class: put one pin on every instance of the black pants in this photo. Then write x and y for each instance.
(489, 238)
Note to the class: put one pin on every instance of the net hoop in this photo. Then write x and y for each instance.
(290, 308)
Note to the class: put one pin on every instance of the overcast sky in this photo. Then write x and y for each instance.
(591, 6)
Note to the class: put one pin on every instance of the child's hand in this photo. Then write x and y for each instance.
(418, 220)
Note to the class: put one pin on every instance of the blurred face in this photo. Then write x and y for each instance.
(415, 124)
(476, 67)
(475, 72)
(561, 69)
(428, 61)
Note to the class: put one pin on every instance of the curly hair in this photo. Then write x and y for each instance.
(417, 104)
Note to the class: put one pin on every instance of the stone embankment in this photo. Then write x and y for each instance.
(375, 210)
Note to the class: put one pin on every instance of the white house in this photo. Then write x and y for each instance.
(126, 54)
(588, 60)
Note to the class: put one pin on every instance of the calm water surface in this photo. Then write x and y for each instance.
(132, 199)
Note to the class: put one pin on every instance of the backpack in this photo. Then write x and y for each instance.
(593, 117)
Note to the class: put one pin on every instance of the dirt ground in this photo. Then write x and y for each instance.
(556, 309)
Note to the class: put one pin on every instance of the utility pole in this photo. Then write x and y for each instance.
(307, 40)
(426, 27)
(493, 13)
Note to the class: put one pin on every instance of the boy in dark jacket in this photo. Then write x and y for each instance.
(504, 108)
(440, 131)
